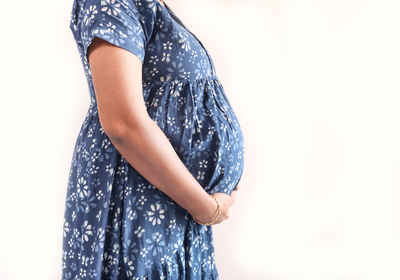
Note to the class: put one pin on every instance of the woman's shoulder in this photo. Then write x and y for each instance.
(86, 11)
(114, 5)
(125, 23)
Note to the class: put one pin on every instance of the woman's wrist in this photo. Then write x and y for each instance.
(206, 211)
(215, 217)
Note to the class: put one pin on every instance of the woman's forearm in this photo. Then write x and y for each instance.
(148, 150)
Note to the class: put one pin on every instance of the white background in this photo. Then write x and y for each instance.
(316, 87)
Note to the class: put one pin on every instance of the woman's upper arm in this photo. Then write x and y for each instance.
(116, 34)
(117, 81)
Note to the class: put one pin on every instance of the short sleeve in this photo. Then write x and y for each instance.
(119, 22)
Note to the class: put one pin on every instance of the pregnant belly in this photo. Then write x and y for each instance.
(204, 131)
(216, 156)
(216, 159)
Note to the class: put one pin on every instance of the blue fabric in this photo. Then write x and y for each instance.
(117, 225)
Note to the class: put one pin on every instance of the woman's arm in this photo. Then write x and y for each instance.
(117, 79)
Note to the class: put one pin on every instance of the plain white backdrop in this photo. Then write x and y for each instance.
(316, 87)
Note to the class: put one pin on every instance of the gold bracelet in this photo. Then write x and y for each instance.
(211, 222)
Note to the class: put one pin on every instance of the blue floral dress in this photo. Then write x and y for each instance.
(117, 225)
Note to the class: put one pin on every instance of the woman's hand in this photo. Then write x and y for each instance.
(225, 202)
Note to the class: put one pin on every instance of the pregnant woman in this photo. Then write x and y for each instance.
(159, 155)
